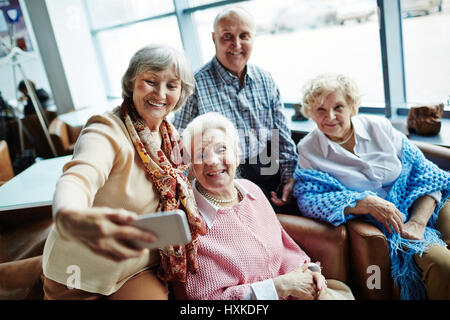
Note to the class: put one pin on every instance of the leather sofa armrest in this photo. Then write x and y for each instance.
(370, 264)
(322, 242)
(21, 250)
(437, 154)
(25, 240)
(22, 279)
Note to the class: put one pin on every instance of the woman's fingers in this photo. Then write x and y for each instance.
(119, 227)
(317, 280)
(320, 284)
(395, 220)
(387, 214)
(392, 225)
(134, 233)
(275, 200)
(116, 250)
(122, 216)
(304, 267)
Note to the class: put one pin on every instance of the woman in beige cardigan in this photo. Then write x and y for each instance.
(126, 162)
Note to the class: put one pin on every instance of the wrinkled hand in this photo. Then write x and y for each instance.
(301, 283)
(286, 196)
(383, 211)
(413, 230)
(106, 231)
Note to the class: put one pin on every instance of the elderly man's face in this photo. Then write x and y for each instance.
(233, 39)
(214, 162)
(155, 94)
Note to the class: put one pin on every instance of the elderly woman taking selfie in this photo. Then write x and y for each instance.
(126, 162)
(245, 254)
(353, 165)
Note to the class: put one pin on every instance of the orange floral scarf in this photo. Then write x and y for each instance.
(165, 168)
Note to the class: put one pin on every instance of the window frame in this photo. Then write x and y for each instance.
(391, 43)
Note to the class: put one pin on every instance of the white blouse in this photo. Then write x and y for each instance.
(375, 164)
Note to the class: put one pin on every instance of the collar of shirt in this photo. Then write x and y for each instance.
(360, 132)
(207, 209)
(227, 76)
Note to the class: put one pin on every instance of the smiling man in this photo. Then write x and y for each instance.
(249, 97)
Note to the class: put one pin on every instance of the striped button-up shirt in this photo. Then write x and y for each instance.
(254, 108)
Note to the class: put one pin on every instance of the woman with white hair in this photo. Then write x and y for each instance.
(126, 163)
(360, 166)
(246, 253)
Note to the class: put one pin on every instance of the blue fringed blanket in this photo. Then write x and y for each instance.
(321, 196)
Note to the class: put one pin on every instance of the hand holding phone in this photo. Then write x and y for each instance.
(170, 228)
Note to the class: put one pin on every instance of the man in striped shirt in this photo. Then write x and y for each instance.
(249, 97)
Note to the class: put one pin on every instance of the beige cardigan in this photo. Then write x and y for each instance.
(105, 171)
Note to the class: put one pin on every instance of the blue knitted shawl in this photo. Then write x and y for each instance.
(321, 196)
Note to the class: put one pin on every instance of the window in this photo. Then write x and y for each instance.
(121, 27)
(196, 3)
(296, 42)
(106, 13)
(118, 45)
(426, 46)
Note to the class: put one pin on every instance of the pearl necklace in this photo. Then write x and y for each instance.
(215, 201)
(346, 140)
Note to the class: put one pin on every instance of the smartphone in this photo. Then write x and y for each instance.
(170, 227)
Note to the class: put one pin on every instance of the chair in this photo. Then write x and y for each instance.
(33, 135)
(321, 242)
(63, 136)
(368, 245)
(21, 260)
(6, 168)
(21, 253)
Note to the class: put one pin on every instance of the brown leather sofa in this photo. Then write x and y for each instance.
(21, 246)
(22, 237)
(345, 252)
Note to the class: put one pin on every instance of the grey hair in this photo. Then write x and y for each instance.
(156, 58)
(210, 120)
(316, 90)
(232, 11)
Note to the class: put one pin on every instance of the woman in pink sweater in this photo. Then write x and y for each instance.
(245, 254)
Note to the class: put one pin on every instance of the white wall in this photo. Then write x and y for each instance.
(73, 38)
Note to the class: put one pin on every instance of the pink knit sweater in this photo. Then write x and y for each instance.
(245, 244)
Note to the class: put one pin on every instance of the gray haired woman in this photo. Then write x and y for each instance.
(125, 163)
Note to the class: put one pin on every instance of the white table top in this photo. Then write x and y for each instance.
(33, 187)
(78, 118)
